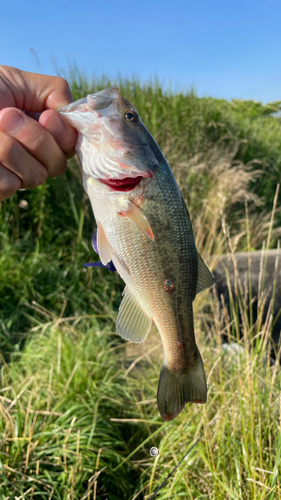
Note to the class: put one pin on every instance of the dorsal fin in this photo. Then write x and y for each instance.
(205, 277)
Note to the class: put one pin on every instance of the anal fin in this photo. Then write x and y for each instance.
(132, 322)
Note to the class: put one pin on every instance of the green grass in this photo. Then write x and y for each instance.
(78, 416)
(71, 407)
(52, 433)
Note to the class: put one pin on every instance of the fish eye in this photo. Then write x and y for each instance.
(130, 115)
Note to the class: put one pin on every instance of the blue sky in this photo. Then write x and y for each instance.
(227, 49)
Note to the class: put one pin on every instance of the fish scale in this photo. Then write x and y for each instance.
(145, 230)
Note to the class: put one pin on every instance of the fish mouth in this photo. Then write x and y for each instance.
(126, 184)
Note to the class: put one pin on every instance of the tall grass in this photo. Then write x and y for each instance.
(79, 416)
(78, 407)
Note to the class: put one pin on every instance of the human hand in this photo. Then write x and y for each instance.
(31, 150)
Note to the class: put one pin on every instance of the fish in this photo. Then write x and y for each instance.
(144, 231)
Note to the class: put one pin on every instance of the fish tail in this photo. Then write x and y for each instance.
(177, 388)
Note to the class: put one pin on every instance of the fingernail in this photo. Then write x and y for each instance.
(54, 125)
(11, 122)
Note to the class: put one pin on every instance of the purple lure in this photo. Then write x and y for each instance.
(109, 265)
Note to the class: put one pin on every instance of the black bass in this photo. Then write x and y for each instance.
(144, 231)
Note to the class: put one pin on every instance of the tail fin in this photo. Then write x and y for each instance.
(175, 389)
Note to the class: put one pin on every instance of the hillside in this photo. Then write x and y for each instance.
(65, 373)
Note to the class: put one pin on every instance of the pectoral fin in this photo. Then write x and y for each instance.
(104, 249)
(132, 323)
(205, 277)
(137, 215)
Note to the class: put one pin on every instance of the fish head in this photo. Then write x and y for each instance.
(113, 143)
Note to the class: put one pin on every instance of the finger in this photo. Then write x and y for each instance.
(62, 132)
(31, 91)
(34, 138)
(9, 183)
(16, 158)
